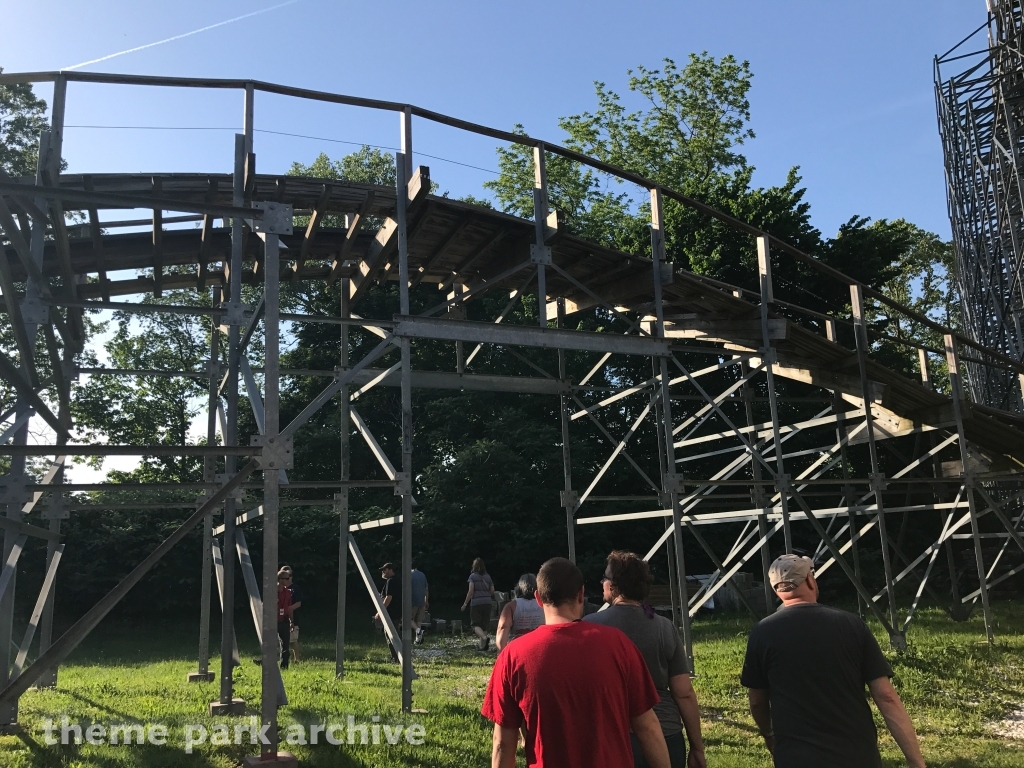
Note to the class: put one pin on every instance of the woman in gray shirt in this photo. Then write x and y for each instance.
(627, 582)
(521, 615)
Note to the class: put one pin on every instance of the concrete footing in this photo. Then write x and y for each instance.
(201, 677)
(236, 707)
(282, 760)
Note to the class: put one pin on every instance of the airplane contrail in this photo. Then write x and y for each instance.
(178, 37)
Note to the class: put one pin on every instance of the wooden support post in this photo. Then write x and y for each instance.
(404, 488)
(341, 498)
(839, 408)
(203, 260)
(569, 497)
(877, 479)
(926, 376)
(227, 703)
(953, 362)
(405, 140)
(271, 495)
(671, 487)
(759, 497)
(249, 119)
(764, 269)
(203, 673)
(158, 241)
(97, 241)
(540, 253)
(34, 291)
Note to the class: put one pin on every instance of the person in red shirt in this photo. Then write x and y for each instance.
(575, 688)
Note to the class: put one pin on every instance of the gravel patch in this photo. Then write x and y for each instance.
(1012, 727)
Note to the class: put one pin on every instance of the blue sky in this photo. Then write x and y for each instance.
(842, 89)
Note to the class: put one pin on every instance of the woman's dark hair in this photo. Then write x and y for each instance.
(527, 586)
(479, 567)
(630, 575)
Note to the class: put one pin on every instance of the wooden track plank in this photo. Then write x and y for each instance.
(438, 252)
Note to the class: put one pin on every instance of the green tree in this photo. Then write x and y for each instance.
(149, 409)
(22, 117)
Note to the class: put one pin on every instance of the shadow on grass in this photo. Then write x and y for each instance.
(144, 755)
(124, 716)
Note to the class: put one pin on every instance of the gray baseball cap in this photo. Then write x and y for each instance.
(789, 571)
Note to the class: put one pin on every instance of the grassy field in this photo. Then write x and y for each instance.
(954, 685)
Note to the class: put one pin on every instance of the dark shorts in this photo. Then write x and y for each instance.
(676, 751)
(480, 616)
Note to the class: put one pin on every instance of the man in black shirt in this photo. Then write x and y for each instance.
(391, 595)
(806, 668)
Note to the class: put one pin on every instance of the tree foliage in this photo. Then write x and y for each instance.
(22, 117)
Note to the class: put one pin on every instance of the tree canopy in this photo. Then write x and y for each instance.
(22, 117)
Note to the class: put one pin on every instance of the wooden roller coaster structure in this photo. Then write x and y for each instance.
(763, 414)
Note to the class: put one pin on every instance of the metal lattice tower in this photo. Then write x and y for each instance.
(981, 122)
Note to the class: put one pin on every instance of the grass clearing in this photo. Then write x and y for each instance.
(954, 685)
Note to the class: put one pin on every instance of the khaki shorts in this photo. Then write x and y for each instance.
(293, 636)
(419, 613)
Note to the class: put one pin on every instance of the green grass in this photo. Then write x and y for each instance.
(954, 686)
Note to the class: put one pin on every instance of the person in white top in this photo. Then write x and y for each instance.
(520, 615)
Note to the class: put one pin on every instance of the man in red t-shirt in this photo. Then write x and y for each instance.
(574, 688)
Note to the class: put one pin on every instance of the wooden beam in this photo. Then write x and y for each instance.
(67, 274)
(158, 241)
(386, 240)
(460, 271)
(207, 236)
(97, 239)
(413, 231)
(726, 329)
(383, 242)
(315, 220)
(17, 321)
(354, 226)
(64, 413)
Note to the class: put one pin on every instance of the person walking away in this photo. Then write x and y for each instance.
(391, 596)
(479, 599)
(520, 615)
(293, 637)
(420, 602)
(626, 584)
(806, 668)
(284, 616)
(575, 688)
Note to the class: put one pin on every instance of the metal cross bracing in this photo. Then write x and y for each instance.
(980, 123)
(731, 407)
